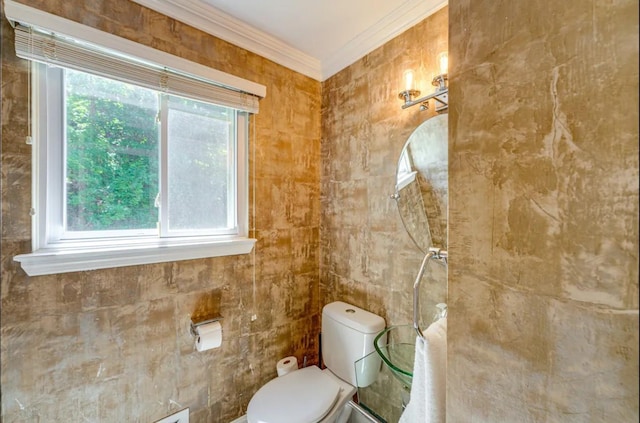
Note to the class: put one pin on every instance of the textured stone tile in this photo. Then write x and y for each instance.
(98, 289)
(275, 257)
(366, 257)
(544, 272)
(16, 199)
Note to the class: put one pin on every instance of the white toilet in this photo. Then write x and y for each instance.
(311, 395)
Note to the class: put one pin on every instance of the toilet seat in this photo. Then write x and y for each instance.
(306, 395)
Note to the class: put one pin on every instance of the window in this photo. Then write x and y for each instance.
(135, 162)
(406, 174)
(137, 158)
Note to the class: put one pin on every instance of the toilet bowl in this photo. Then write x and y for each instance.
(307, 395)
(312, 395)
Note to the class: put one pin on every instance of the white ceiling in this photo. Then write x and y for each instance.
(315, 37)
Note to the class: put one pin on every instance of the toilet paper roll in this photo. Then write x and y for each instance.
(208, 336)
(287, 365)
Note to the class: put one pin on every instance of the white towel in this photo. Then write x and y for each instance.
(428, 388)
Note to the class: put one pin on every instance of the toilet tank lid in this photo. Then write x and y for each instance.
(354, 317)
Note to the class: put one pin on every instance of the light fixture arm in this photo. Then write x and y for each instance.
(440, 96)
(407, 95)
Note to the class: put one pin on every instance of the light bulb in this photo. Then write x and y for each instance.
(443, 62)
(408, 80)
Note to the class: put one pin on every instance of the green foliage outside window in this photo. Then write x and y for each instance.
(112, 154)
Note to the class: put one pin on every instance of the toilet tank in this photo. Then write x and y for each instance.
(347, 336)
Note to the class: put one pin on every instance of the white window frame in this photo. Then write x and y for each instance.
(406, 174)
(51, 255)
(81, 255)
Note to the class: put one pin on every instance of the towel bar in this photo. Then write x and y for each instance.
(432, 254)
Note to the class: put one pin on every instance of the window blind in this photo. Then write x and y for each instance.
(42, 46)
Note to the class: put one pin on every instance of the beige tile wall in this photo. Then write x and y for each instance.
(367, 258)
(543, 211)
(113, 345)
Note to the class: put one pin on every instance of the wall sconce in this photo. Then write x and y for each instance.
(409, 86)
(440, 81)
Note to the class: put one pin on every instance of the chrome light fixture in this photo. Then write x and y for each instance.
(410, 90)
(440, 95)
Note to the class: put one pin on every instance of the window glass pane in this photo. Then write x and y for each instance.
(112, 141)
(199, 169)
(404, 165)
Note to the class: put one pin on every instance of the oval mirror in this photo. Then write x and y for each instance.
(421, 183)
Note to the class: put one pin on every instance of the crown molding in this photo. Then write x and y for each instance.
(29, 16)
(219, 24)
(392, 25)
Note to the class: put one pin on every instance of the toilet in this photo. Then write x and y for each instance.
(312, 395)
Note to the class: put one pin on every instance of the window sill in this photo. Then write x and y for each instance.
(49, 261)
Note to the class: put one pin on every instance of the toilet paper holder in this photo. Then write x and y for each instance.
(193, 328)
